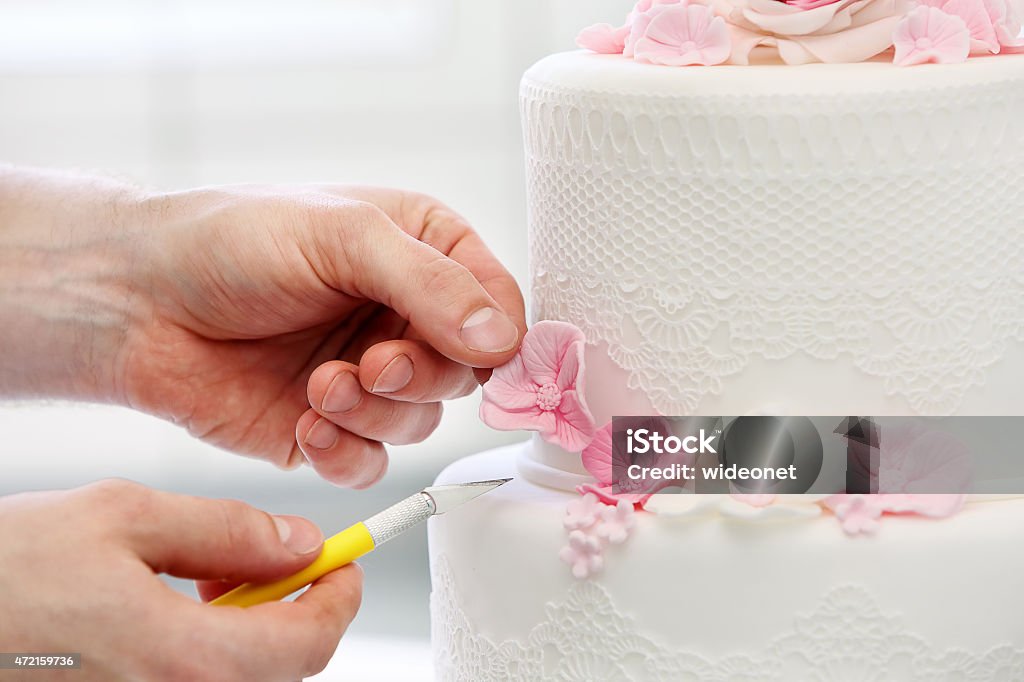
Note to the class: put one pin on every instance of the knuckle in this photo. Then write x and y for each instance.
(354, 469)
(364, 214)
(236, 525)
(118, 493)
(444, 278)
(429, 421)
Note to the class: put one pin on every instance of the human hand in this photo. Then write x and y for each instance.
(289, 323)
(78, 574)
(315, 322)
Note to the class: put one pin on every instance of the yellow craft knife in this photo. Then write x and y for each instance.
(362, 538)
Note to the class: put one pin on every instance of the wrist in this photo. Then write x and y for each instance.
(69, 284)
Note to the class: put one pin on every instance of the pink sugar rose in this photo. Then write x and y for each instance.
(802, 32)
(684, 35)
(541, 388)
(928, 34)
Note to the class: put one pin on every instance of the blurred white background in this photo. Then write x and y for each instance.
(419, 94)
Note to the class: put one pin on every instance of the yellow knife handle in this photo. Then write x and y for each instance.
(339, 550)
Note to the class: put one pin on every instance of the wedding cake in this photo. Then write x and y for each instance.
(789, 224)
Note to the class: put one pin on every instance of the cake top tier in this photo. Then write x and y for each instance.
(906, 32)
(589, 72)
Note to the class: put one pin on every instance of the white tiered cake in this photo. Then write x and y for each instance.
(822, 239)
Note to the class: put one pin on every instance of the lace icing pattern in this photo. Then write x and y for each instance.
(693, 235)
(585, 638)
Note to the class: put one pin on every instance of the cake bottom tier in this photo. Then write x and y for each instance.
(714, 598)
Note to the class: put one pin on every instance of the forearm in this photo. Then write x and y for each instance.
(68, 251)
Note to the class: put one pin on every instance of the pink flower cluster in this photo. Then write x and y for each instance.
(669, 32)
(948, 31)
(707, 32)
(593, 526)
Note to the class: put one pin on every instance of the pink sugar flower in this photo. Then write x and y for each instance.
(980, 21)
(928, 34)
(862, 513)
(684, 35)
(616, 522)
(583, 554)
(603, 38)
(601, 459)
(856, 513)
(640, 18)
(582, 513)
(541, 388)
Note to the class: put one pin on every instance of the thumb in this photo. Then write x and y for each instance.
(444, 299)
(226, 540)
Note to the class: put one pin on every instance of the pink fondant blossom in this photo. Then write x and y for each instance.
(601, 459)
(583, 554)
(603, 38)
(684, 35)
(928, 34)
(640, 18)
(862, 513)
(616, 522)
(976, 16)
(856, 513)
(541, 388)
(1007, 17)
(582, 513)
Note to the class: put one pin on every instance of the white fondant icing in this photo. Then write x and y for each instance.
(714, 596)
(817, 239)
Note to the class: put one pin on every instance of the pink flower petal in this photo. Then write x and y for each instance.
(574, 427)
(510, 387)
(978, 21)
(932, 506)
(684, 35)
(603, 38)
(544, 346)
(927, 35)
(534, 419)
(570, 368)
(605, 494)
(639, 19)
(597, 456)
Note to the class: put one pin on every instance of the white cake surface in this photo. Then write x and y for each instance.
(713, 598)
(735, 240)
(822, 239)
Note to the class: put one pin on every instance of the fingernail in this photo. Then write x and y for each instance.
(343, 394)
(489, 331)
(298, 535)
(395, 376)
(322, 435)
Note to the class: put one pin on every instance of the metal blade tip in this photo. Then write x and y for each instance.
(448, 497)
